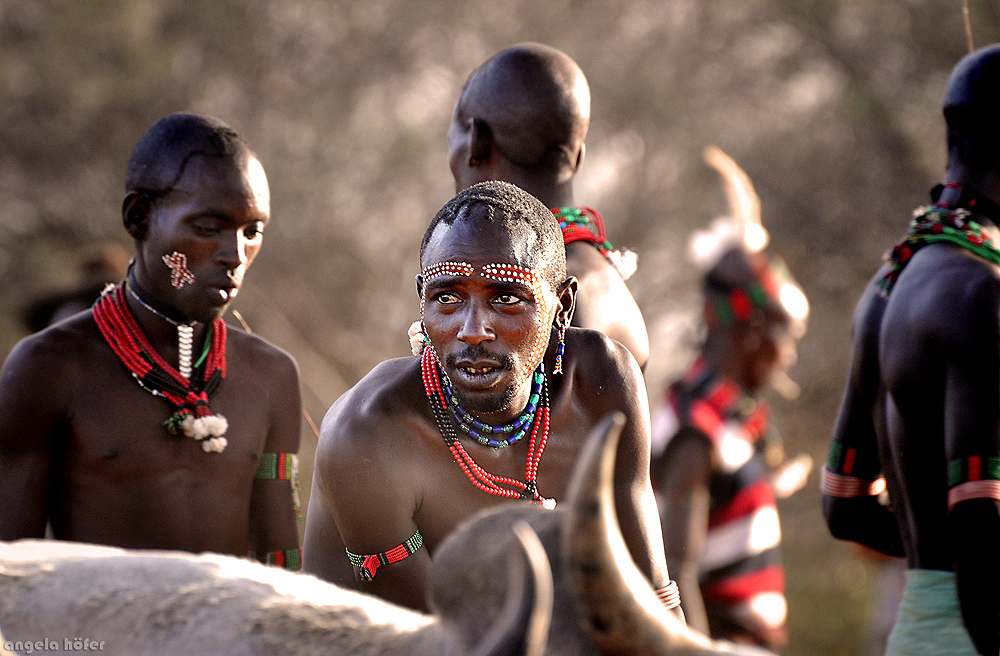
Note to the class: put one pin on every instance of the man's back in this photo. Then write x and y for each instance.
(939, 357)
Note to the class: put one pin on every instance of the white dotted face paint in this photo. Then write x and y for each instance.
(512, 273)
(180, 275)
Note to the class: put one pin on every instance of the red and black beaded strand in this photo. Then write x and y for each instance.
(490, 483)
(153, 373)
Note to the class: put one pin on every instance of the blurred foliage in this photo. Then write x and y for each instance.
(833, 108)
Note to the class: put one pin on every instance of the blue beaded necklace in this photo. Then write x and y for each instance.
(480, 430)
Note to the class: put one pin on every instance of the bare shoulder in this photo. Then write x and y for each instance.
(603, 370)
(372, 418)
(265, 358)
(948, 295)
(58, 352)
(595, 355)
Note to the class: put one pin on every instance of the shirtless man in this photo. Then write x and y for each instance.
(198, 455)
(399, 463)
(922, 405)
(522, 118)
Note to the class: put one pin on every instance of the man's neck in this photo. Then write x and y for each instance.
(553, 194)
(984, 184)
(158, 324)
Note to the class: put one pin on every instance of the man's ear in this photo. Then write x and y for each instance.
(566, 293)
(480, 142)
(136, 210)
(579, 157)
(420, 285)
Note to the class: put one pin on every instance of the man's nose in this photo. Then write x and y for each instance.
(232, 251)
(476, 327)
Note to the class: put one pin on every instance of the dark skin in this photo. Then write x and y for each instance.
(383, 469)
(522, 118)
(83, 447)
(749, 355)
(925, 390)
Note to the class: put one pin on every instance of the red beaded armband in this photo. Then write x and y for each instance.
(849, 487)
(975, 477)
(369, 564)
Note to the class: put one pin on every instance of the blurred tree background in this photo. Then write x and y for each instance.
(833, 108)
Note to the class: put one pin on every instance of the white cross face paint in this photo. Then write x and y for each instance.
(180, 275)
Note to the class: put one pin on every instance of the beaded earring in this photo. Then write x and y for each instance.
(560, 347)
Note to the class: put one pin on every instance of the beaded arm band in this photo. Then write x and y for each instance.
(369, 564)
(849, 487)
(975, 477)
(290, 559)
(281, 467)
(669, 595)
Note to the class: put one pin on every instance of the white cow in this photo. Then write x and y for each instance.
(518, 580)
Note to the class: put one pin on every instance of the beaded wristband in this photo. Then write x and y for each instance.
(849, 487)
(290, 559)
(281, 467)
(369, 563)
(669, 595)
(975, 477)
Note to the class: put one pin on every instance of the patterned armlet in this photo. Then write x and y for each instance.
(849, 487)
(281, 467)
(669, 595)
(369, 564)
(288, 558)
(975, 477)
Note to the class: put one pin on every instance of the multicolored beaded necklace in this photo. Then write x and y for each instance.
(472, 426)
(189, 396)
(936, 223)
(585, 224)
(446, 416)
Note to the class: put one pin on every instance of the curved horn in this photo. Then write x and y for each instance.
(618, 606)
(743, 200)
(523, 626)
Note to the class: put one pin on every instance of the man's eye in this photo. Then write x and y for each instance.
(254, 231)
(508, 299)
(207, 228)
(447, 298)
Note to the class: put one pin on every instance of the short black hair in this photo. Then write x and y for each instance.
(163, 151)
(518, 211)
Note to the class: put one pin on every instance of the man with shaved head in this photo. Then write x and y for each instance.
(145, 422)
(522, 118)
(493, 409)
(920, 418)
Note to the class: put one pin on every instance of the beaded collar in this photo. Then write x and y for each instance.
(585, 224)
(188, 395)
(434, 380)
(934, 224)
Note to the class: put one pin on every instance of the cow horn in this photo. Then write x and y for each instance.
(618, 606)
(523, 626)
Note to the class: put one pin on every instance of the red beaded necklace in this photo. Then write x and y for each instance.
(189, 396)
(431, 374)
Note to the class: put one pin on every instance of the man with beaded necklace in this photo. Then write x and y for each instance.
(522, 117)
(144, 422)
(494, 409)
(920, 417)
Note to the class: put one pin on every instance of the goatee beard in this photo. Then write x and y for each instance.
(497, 402)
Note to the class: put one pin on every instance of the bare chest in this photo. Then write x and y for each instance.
(116, 429)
